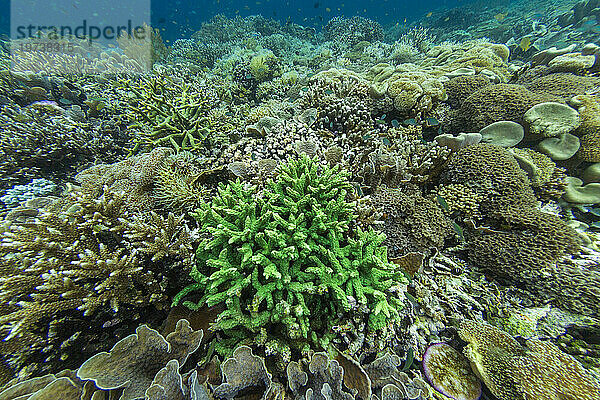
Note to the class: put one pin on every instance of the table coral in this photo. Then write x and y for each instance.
(534, 371)
(286, 263)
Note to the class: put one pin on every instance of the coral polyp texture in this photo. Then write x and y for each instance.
(286, 264)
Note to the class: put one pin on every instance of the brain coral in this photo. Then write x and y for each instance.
(536, 371)
(501, 102)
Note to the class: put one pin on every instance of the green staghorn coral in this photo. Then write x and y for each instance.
(171, 111)
(285, 263)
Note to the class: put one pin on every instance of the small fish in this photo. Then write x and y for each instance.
(328, 9)
(595, 211)
(395, 123)
(366, 137)
(386, 141)
(458, 231)
(410, 358)
(380, 121)
(432, 122)
(304, 89)
(525, 44)
(446, 19)
(429, 14)
(410, 121)
(383, 116)
(500, 16)
(442, 202)
(328, 91)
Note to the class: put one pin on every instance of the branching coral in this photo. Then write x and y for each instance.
(285, 263)
(157, 179)
(88, 262)
(36, 141)
(350, 31)
(174, 113)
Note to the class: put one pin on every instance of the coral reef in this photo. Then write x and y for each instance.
(268, 210)
(350, 31)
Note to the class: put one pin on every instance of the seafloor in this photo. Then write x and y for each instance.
(275, 212)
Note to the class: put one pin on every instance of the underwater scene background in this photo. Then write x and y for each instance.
(322, 200)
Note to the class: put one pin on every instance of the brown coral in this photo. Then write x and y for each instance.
(563, 85)
(501, 102)
(589, 130)
(528, 247)
(461, 87)
(411, 222)
(84, 264)
(492, 171)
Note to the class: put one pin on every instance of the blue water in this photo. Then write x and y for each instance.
(180, 18)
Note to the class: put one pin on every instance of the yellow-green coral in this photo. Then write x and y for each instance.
(536, 371)
(171, 112)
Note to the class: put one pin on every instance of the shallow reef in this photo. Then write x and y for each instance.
(268, 210)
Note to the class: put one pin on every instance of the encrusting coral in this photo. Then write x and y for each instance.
(286, 264)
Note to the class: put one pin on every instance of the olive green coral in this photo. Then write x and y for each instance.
(536, 371)
(285, 262)
(171, 112)
(492, 171)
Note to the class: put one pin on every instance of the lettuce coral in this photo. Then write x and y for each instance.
(536, 371)
(285, 263)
